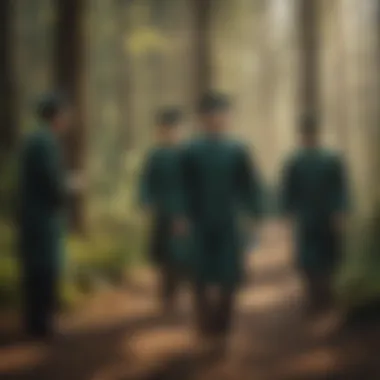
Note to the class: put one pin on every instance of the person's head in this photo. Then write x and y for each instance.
(55, 111)
(168, 121)
(214, 110)
(309, 131)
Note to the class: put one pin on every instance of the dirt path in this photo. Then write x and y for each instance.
(121, 336)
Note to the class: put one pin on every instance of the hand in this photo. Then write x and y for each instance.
(76, 182)
(180, 227)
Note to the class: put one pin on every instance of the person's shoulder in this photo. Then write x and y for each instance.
(154, 152)
(237, 146)
(191, 145)
(331, 155)
(35, 140)
(295, 157)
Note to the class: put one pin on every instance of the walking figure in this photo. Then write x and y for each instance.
(315, 200)
(158, 184)
(220, 183)
(43, 192)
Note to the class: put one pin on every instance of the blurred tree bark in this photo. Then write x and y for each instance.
(8, 127)
(124, 85)
(341, 78)
(309, 56)
(69, 68)
(267, 83)
(202, 46)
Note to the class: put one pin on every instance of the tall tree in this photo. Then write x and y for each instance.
(69, 68)
(309, 55)
(124, 83)
(8, 130)
(202, 45)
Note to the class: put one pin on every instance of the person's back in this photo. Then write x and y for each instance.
(42, 192)
(315, 174)
(160, 171)
(220, 184)
(158, 193)
(315, 197)
(40, 195)
(41, 199)
(215, 172)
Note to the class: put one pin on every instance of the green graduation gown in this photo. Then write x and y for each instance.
(314, 188)
(41, 199)
(158, 192)
(220, 183)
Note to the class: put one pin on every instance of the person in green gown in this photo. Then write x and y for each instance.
(221, 186)
(315, 200)
(157, 184)
(41, 201)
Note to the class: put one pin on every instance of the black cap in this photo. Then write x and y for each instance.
(309, 124)
(49, 105)
(213, 101)
(169, 116)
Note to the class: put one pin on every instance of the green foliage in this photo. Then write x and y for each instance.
(114, 245)
(359, 281)
(146, 40)
(9, 282)
(102, 259)
(8, 184)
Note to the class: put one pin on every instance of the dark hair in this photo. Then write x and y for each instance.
(169, 116)
(309, 124)
(49, 105)
(213, 101)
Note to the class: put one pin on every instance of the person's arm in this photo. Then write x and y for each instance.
(249, 185)
(340, 193)
(76, 182)
(45, 156)
(288, 191)
(146, 184)
(179, 197)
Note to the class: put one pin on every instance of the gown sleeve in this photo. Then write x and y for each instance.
(45, 156)
(340, 188)
(180, 185)
(288, 189)
(249, 185)
(146, 184)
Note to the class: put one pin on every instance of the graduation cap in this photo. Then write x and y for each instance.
(49, 105)
(169, 117)
(213, 101)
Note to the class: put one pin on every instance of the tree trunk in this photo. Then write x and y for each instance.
(69, 75)
(309, 56)
(8, 128)
(124, 85)
(202, 46)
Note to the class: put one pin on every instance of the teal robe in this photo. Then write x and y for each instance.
(42, 194)
(314, 188)
(159, 192)
(220, 185)
(158, 179)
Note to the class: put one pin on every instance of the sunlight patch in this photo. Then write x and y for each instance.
(264, 297)
(317, 362)
(159, 343)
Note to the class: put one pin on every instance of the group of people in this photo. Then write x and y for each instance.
(204, 196)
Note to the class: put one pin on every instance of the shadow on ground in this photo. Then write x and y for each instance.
(272, 340)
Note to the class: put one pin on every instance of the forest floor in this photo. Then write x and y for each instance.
(121, 335)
